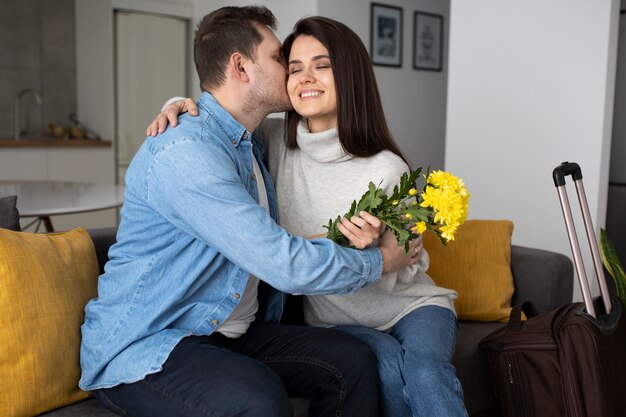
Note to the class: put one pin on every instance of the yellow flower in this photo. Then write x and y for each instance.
(440, 206)
(429, 197)
(447, 232)
(442, 179)
(448, 199)
(420, 227)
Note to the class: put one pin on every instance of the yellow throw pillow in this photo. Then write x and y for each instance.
(477, 264)
(45, 282)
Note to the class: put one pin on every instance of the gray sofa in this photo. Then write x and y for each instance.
(543, 277)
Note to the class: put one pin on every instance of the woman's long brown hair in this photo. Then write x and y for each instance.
(361, 123)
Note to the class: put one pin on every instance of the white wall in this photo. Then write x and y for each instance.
(531, 85)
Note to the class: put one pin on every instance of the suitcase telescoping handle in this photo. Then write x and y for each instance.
(559, 174)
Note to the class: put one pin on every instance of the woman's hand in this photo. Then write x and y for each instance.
(361, 230)
(393, 255)
(419, 245)
(170, 114)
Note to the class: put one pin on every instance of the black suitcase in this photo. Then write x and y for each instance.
(570, 361)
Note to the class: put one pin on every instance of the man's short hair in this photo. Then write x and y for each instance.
(223, 32)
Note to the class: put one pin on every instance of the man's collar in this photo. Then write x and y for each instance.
(236, 131)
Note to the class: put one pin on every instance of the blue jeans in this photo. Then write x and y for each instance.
(417, 377)
(254, 376)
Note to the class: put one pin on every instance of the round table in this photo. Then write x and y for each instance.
(42, 199)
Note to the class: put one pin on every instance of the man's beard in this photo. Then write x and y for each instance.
(267, 98)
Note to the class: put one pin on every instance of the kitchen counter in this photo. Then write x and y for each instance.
(54, 143)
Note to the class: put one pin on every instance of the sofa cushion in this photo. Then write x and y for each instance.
(92, 408)
(87, 408)
(46, 281)
(9, 216)
(471, 365)
(477, 264)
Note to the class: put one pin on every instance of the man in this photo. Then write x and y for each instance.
(181, 326)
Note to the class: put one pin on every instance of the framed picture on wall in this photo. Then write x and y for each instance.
(427, 41)
(386, 35)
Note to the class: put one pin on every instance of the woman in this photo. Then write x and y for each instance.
(336, 142)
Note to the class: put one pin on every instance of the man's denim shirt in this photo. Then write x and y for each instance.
(191, 233)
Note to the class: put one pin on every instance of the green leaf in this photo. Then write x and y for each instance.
(353, 209)
(334, 234)
(406, 183)
(613, 265)
(401, 233)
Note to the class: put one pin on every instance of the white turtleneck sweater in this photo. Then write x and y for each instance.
(318, 181)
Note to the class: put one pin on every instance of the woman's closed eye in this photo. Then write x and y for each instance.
(295, 70)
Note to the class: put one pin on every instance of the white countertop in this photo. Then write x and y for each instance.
(48, 198)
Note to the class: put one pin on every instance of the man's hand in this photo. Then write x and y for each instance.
(393, 255)
(361, 230)
(170, 114)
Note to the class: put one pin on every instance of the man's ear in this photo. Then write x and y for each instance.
(237, 65)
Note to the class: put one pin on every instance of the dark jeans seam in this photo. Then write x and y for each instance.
(172, 398)
(454, 328)
(324, 365)
(110, 404)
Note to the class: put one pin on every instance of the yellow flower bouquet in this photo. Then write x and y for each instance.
(441, 207)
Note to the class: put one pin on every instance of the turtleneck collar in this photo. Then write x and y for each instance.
(321, 146)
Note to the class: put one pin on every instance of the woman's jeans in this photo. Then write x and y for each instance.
(414, 363)
(254, 375)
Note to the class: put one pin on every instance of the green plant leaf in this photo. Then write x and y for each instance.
(613, 265)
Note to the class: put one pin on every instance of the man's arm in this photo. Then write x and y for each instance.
(361, 230)
(176, 106)
(214, 206)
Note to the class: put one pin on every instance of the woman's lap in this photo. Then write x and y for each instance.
(415, 358)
